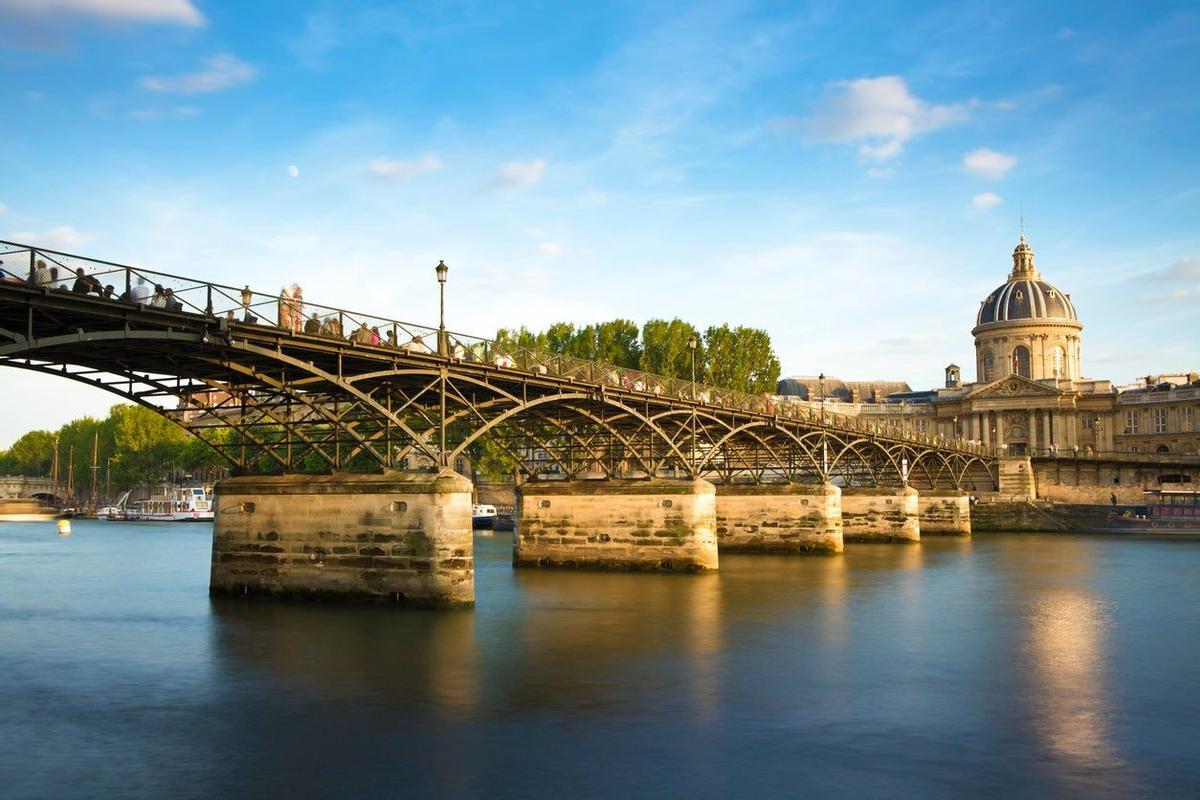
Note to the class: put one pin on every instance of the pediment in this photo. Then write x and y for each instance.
(1014, 386)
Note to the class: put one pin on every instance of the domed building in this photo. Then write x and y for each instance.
(1030, 396)
(1026, 327)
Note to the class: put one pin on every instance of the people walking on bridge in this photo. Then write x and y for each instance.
(159, 299)
(41, 275)
(362, 335)
(82, 284)
(140, 292)
(171, 302)
(285, 308)
(391, 338)
(296, 304)
(312, 325)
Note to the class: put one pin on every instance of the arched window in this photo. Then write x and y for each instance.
(1058, 359)
(1020, 361)
(989, 366)
(1162, 448)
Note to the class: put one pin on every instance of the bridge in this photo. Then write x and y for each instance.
(291, 385)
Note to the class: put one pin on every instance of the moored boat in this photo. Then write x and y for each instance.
(1167, 511)
(177, 504)
(482, 516)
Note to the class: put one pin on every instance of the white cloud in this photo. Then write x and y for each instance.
(293, 170)
(64, 236)
(400, 171)
(1185, 269)
(175, 12)
(150, 114)
(988, 163)
(516, 175)
(550, 248)
(986, 200)
(881, 114)
(223, 71)
(3, 209)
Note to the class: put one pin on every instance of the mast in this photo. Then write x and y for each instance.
(71, 472)
(95, 462)
(54, 468)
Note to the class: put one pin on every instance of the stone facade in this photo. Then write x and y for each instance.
(779, 518)
(400, 537)
(885, 514)
(637, 525)
(944, 513)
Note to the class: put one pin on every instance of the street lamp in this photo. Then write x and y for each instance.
(443, 345)
(692, 343)
(956, 436)
(1096, 425)
(821, 384)
(902, 425)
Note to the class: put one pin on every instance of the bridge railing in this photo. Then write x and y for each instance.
(290, 311)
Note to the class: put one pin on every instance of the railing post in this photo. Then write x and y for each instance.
(208, 309)
(128, 284)
(32, 267)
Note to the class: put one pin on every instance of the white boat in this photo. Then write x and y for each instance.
(482, 515)
(109, 512)
(190, 504)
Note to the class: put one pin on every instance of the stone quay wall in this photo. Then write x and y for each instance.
(635, 525)
(880, 515)
(944, 513)
(779, 518)
(400, 537)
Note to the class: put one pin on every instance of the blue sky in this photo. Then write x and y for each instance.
(847, 176)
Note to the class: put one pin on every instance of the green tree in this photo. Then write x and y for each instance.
(665, 349)
(740, 358)
(149, 447)
(32, 454)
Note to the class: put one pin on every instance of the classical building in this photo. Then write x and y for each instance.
(1030, 395)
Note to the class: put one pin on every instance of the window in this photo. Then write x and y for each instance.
(1187, 418)
(1160, 420)
(1162, 448)
(989, 366)
(1131, 421)
(1088, 422)
(1020, 361)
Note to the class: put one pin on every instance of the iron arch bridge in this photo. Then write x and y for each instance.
(266, 380)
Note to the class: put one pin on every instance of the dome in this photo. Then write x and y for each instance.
(1025, 296)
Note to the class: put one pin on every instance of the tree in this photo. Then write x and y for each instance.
(665, 349)
(740, 358)
(32, 454)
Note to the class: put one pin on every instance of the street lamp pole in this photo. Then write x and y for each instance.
(692, 342)
(821, 384)
(443, 349)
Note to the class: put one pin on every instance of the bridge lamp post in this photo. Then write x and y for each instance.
(956, 436)
(821, 384)
(692, 343)
(1096, 424)
(443, 345)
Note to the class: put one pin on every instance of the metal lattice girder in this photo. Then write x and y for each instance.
(259, 393)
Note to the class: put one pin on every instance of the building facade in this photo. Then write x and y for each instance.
(1030, 396)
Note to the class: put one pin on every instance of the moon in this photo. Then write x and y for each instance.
(294, 171)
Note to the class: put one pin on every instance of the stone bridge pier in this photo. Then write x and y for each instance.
(881, 514)
(400, 537)
(779, 518)
(638, 525)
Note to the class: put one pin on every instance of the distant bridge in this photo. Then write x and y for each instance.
(215, 360)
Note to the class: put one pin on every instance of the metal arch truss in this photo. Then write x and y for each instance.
(264, 397)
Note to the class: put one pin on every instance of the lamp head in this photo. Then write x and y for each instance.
(692, 342)
(442, 269)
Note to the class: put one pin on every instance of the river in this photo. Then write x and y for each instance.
(1004, 665)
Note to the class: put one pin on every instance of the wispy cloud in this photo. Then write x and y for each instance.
(64, 236)
(152, 114)
(518, 175)
(221, 72)
(988, 163)
(550, 248)
(3, 209)
(174, 12)
(986, 200)
(880, 114)
(1179, 282)
(1185, 269)
(403, 170)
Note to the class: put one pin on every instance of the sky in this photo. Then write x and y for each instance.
(850, 177)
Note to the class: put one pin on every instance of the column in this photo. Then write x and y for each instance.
(634, 525)
(999, 428)
(1055, 434)
(400, 538)
(1032, 427)
(985, 422)
(1072, 422)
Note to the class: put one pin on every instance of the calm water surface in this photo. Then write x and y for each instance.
(1002, 666)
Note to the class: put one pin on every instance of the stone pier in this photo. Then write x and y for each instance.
(779, 518)
(400, 537)
(655, 525)
(883, 514)
(944, 513)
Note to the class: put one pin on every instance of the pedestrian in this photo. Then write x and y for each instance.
(140, 292)
(54, 284)
(159, 299)
(312, 325)
(362, 335)
(375, 340)
(109, 292)
(1075, 451)
(41, 276)
(296, 306)
(285, 308)
(391, 338)
(170, 303)
(83, 284)
(1113, 499)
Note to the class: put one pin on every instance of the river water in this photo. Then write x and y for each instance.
(1031, 665)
